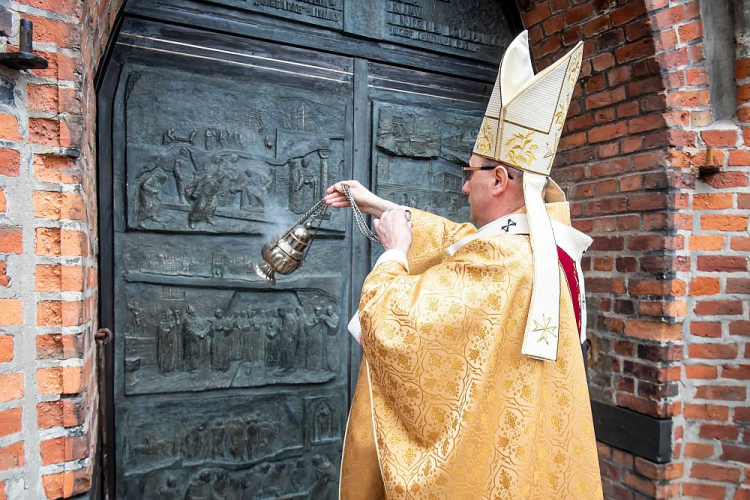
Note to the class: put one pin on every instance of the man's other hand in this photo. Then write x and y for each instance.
(394, 230)
(367, 201)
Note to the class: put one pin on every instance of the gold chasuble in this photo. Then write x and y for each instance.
(446, 406)
(473, 384)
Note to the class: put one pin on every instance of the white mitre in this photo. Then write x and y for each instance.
(521, 128)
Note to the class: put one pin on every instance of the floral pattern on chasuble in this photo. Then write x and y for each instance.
(457, 411)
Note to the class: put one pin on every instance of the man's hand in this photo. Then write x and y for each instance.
(367, 201)
(393, 230)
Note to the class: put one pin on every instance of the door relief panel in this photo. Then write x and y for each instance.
(226, 387)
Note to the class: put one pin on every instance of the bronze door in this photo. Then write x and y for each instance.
(223, 386)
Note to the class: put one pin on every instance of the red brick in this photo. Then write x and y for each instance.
(705, 286)
(739, 157)
(43, 97)
(718, 307)
(67, 484)
(724, 222)
(63, 449)
(722, 263)
(716, 201)
(553, 25)
(706, 412)
(11, 312)
(44, 131)
(702, 490)
(705, 329)
(9, 127)
(607, 132)
(701, 372)
(603, 62)
(736, 372)
(549, 46)
(12, 456)
(60, 33)
(12, 384)
(596, 25)
(738, 285)
(645, 123)
(652, 330)
(742, 414)
(605, 98)
(578, 14)
(58, 205)
(724, 180)
(739, 327)
(539, 13)
(690, 31)
(723, 393)
(11, 239)
(735, 453)
(66, 7)
(741, 244)
(56, 169)
(6, 348)
(649, 201)
(631, 11)
(635, 50)
(712, 351)
(10, 161)
(59, 346)
(721, 432)
(10, 421)
(719, 137)
(699, 450)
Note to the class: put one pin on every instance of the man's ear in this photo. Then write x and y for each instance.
(501, 180)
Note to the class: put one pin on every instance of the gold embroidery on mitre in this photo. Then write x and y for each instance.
(545, 328)
(486, 139)
(561, 112)
(522, 148)
(574, 69)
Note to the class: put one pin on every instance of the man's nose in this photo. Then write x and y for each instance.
(465, 188)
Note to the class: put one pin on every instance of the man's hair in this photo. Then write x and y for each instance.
(513, 172)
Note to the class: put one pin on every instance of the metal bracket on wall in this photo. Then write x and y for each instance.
(25, 57)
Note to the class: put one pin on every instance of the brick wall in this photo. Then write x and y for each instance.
(663, 190)
(48, 274)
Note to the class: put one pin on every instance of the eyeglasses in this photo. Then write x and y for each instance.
(469, 171)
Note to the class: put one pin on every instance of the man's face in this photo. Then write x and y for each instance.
(479, 190)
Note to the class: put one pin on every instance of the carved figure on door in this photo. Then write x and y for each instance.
(149, 194)
(326, 476)
(196, 340)
(203, 191)
(221, 344)
(330, 320)
(288, 339)
(169, 343)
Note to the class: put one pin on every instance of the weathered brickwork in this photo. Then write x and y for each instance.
(48, 233)
(663, 189)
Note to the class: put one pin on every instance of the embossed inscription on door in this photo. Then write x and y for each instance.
(226, 387)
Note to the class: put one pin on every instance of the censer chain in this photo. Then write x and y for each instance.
(358, 217)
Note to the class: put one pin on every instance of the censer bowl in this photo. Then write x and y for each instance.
(284, 254)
